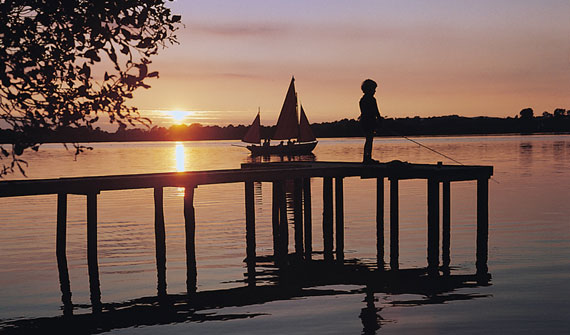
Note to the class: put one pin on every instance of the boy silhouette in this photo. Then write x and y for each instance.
(370, 118)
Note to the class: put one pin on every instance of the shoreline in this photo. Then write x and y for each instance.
(322, 137)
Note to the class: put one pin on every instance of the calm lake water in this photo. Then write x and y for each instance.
(529, 239)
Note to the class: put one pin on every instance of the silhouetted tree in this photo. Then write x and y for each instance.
(49, 55)
(527, 113)
(559, 112)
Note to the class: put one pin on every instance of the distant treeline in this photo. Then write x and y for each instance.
(525, 123)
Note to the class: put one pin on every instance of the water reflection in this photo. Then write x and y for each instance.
(179, 157)
(370, 315)
(525, 157)
(299, 280)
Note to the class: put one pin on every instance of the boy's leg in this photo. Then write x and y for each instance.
(368, 147)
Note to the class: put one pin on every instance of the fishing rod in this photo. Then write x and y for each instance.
(433, 150)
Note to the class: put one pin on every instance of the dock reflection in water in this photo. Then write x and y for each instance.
(298, 280)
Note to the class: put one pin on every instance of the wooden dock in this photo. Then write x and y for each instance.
(277, 174)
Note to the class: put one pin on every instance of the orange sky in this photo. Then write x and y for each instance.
(470, 58)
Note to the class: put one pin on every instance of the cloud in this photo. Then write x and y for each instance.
(237, 29)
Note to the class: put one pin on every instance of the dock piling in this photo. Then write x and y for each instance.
(380, 222)
(298, 216)
(250, 231)
(433, 226)
(60, 250)
(482, 225)
(283, 224)
(92, 262)
(339, 217)
(446, 226)
(328, 218)
(394, 224)
(160, 240)
(190, 230)
(308, 220)
(275, 220)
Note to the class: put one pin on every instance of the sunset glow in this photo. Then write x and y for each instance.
(178, 116)
(285, 167)
(470, 58)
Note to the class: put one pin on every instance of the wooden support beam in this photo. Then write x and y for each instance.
(339, 206)
(446, 226)
(328, 218)
(433, 226)
(160, 241)
(308, 220)
(250, 231)
(380, 222)
(92, 263)
(60, 250)
(394, 225)
(482, 225)
(275, 220)
(190, 229)
(298, 215)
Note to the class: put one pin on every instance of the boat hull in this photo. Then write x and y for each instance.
(294, 149)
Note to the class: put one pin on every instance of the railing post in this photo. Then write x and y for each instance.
(160, 240)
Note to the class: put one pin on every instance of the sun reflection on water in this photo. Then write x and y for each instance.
(179, 163)
(179, 157)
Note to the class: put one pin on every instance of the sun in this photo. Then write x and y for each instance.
(178, 116)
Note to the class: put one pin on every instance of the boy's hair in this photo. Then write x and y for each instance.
(368, 85)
